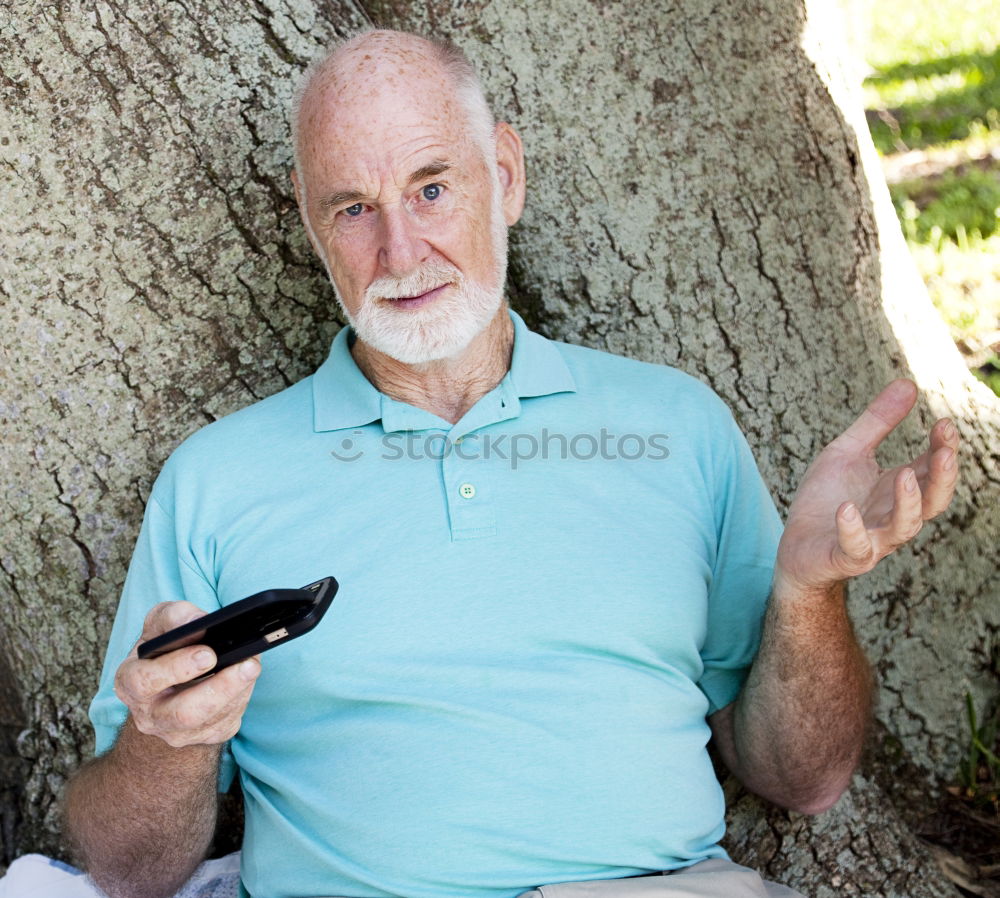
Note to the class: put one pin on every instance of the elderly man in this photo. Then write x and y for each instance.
(516, 686)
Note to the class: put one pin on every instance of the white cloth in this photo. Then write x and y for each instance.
(37, 876)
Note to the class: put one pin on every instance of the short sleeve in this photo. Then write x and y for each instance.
(747, 532)
(158, 572)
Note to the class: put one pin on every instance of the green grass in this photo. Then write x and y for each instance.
(957, 204)
(914, 31)
(934, 94)
(979, 770)
(922, 104)
(963, 278)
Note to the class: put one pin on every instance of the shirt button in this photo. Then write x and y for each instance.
(467, 491)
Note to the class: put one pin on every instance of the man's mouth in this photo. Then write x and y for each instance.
(419, 300)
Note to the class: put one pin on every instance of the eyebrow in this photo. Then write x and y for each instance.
(431, 170)
(350, 197)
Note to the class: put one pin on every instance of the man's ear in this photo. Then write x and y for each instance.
(510, 168)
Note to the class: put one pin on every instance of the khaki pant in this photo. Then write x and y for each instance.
(709, 879)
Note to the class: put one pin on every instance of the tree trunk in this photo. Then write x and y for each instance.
(702, 192)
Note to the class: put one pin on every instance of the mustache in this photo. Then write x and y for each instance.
(428, 277)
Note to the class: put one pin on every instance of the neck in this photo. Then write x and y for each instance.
(446, 387)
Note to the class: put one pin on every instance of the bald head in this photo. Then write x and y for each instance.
(357, 71)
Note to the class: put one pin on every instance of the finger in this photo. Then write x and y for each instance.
(944, 433)
(937, 468)
(211, 711)
(907, 513)
(854, 543)
(939, 485)
(140, 681)
(882, 415)
(167, 615)
(229, 682)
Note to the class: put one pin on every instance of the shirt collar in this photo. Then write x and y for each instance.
(343, 397)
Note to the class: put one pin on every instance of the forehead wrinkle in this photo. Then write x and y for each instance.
(441, 161)
(378, 114)
(354, 140)
(351, 196)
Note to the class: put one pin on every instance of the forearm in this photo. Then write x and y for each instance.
(141, 817)
(799, 723)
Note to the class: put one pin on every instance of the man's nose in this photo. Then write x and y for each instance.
(402, 246)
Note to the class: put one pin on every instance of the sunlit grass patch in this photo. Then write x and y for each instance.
(933, 104)
(914, 105)
(917, 30)
(963, 279)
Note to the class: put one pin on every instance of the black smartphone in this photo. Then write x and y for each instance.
(251, 625)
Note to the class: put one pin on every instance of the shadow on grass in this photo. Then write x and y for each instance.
(941, 116)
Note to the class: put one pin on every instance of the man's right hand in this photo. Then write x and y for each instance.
(141, 816)
(206, 713)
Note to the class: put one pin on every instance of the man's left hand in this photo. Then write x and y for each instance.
(849, 513)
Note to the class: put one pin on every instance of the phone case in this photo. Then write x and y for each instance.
(251, 625)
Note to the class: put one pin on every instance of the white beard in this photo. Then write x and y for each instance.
(448, 324)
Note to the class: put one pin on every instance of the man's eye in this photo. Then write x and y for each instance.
(354, 211)
(432, 191)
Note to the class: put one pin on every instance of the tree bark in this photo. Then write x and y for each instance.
(702, 192)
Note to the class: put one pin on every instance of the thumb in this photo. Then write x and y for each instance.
(854, 545)
(883, 414)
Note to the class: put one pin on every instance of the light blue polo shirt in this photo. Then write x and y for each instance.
(538, 608)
